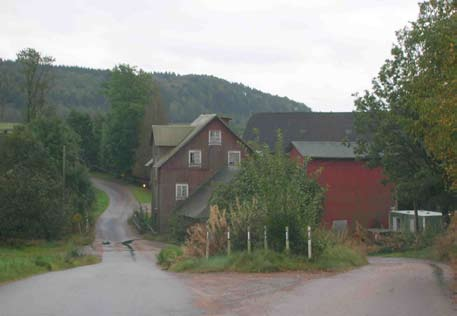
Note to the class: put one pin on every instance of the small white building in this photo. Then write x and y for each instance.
(404, 220)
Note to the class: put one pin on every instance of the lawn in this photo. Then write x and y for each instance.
(142, 195)
(39, 257)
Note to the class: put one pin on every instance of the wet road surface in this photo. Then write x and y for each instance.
(133, 285)
(385, 287)
(120, 285)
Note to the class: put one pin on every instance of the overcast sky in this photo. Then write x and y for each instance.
(314, 51)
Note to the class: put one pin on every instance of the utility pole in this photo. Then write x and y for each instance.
(64, 154)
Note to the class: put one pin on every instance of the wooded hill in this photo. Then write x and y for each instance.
(183, 96)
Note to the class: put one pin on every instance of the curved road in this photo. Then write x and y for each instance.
(121, 285)
(129, 283)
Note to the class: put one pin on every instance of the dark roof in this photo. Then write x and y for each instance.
(196, 205)
(301, 126)
(336, 150)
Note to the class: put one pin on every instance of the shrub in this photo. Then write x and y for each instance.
(195, 245)
(169, 255)
(271, 190)
(446, 244)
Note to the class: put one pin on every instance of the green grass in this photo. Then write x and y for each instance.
(142, 195)
(101, 203)
(4, 125)
(334, 258)
(427, 253)
(23, 261)
(17, 262)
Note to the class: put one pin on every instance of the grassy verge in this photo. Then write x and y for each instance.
(141, 194)
(39, 257)
(335, 258)
(34, 257)
(427, 253)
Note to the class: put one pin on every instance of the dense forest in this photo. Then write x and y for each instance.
(184, 97)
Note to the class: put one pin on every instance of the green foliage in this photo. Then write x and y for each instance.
(335, 258)
(36, 70)
(391, 119)
(129, 91)
(271, 190)
(35, 202)
(183, 97)
(168, 255)
(83, 126)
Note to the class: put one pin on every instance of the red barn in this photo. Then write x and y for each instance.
(354, 191)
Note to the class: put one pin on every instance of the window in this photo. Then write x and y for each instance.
(234, 158)
(182, 191)
(215, 137)
(195, 158)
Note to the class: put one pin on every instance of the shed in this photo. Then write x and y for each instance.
(404, 220)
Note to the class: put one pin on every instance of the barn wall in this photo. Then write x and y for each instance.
(354, 192)
(177, 170)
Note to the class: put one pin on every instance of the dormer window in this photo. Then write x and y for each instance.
(215, 137)
(195, 158)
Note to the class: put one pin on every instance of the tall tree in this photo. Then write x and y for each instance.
(36, 69)
(129, 91)
(83, 125)
(392, 119)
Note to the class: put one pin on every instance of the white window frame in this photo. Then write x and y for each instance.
(217, 140)
(194, 151)
(180, 196)
(228, 157)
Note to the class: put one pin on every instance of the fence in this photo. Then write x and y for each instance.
(248, 241)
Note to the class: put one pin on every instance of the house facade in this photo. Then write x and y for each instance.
(354, 192)
(188, 160)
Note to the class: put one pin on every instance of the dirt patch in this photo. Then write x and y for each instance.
(243, 293)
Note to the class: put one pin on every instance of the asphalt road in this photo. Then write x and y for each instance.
(129, 283)
(123, 284)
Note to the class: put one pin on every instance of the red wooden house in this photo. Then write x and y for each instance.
(354, 191)
(188, 160)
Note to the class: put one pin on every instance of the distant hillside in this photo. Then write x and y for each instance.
(184, 97)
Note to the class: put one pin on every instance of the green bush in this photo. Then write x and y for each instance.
(168, 255)
(274, 191)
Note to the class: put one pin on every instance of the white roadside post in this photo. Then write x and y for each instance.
(249, 240)
(309, 243)
(287, 238)
(265, 242)
(228, 242)
(207, 242)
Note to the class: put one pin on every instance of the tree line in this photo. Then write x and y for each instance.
(183, 97)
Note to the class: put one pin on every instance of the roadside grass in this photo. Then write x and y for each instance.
(142, 195)
(26, 258)
(334, 258)
(427, 253)
(38, 257)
